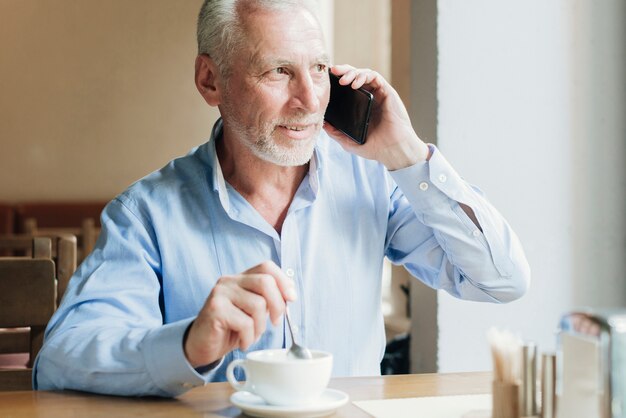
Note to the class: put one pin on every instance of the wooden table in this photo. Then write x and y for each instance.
(212, 399)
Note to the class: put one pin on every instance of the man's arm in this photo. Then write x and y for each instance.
(108, 335)
(431, 234)
(467, 247)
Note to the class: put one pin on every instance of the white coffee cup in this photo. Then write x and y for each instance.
(280, 379)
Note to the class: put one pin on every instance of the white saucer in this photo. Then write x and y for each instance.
(255, 406)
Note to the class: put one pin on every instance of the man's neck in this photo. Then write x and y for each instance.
(269, 188)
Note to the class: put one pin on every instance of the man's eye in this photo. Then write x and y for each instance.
(321, 68)
(280, 70)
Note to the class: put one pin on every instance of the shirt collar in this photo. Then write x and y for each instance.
(219, 184)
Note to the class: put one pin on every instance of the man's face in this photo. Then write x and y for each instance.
(277, 93)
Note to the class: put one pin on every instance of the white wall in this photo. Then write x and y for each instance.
(531, 108)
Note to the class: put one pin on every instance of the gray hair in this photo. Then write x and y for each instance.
(220, 31)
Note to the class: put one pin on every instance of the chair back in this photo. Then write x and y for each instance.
(63, 249)
(81, 219)
(85, 236)
(27, 299)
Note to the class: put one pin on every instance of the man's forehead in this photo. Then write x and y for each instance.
(281, 37)
(259, 21)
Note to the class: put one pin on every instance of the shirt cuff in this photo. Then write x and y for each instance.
(429, 184)
(166, 362)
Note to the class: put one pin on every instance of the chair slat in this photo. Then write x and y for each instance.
(18, 379)
(14, 340)
(27, 292)
(42, 248)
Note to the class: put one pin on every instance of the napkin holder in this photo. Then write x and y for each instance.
(592, 375)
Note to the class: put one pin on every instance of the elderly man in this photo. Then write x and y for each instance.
(196, 262)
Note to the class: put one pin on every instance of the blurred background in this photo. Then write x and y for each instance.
(526, 99)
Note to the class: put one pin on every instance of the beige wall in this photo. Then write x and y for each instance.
(363, 34)
(96, 94)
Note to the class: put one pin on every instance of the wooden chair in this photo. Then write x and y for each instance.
(86, 235)
(81, 219)
(27, 299)
(15, 342)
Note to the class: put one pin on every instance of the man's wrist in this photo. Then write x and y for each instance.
(200, 367)
(406, 154)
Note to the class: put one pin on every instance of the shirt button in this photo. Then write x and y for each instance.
(476, 233)
(423, 186)
(442, 178)
(290, 273)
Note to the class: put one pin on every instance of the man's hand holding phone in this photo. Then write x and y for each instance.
(389, 137)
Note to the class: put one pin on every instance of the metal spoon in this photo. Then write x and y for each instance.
(296, 351)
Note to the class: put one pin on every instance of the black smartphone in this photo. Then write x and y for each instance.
(349, 109)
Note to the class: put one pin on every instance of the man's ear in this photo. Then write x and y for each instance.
(208, 80)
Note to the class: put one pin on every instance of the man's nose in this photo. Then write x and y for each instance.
(305, 94)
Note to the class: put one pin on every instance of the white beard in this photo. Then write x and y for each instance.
(267, 149)
(262, 143)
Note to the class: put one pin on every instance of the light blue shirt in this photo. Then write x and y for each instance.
(168, 238)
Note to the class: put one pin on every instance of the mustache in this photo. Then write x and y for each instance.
(301, 120)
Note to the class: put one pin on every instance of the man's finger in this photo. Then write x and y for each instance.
(238, 322)
(264, 286)
(341, 69)
(285, 284)
(256, 296)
